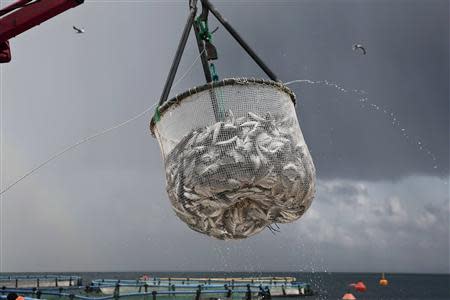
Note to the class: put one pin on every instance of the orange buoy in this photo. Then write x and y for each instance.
(383, 281)
(348, 296)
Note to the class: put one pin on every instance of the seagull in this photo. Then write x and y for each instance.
(359, 46)
(78, 30)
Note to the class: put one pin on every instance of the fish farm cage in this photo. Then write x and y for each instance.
(38, 281)
(54, 287)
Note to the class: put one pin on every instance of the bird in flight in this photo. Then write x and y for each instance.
(78, 30)
(359, 46)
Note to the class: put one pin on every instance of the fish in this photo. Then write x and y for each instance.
(229, 126)
(217, 128)
(236, 177)
(249, 124)
(255, 117)
(191, 196)
(227, 142)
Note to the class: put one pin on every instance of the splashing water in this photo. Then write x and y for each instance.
(417, 141)
(327, 83)
(389, 114)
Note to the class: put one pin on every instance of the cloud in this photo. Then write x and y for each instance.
(351, 226)
(381, 203)
(386, 221)
(401, 128)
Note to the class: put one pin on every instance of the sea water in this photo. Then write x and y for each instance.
(327, 285)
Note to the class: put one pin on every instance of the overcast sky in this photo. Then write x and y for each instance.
(381, 153)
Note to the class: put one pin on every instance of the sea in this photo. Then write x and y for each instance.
(326, 285)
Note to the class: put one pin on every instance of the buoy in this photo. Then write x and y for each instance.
(348, 296)
(383, 281)
(144, 278)
(360, 287)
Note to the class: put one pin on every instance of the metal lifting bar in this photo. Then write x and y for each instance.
(179, 53)
(201, 45)
(204, 46)
(202, 50)
(239, 39)
(13, 6)
(23, 15)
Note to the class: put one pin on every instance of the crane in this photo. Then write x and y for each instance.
(23, 15)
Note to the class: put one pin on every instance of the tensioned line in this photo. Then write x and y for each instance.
(94, 136)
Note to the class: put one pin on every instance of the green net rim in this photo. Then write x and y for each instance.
(209, 86)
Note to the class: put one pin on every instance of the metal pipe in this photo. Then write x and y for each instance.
(30, 15)
(206, 71)
(13, 6)
(178, 54)
(239, 39)
(202, 51)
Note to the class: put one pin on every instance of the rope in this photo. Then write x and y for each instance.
(189, 69)
(96, 135)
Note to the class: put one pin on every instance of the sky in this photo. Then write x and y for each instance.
(381, 147)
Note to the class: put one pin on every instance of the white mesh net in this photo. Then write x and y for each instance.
(235, 157)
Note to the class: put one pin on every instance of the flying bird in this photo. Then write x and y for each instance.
(359, 46)
(78, 30)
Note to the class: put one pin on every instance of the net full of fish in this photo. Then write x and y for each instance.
(234, 177)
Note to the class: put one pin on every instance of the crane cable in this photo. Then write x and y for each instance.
(96, 135)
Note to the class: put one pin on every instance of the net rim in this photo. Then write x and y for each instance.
(211, 85)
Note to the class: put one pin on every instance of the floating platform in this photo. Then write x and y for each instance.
(39, 281)
(54, 287)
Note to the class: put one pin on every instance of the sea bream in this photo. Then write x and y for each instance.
(232, 179)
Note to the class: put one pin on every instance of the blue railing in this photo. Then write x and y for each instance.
(38, 280)
(106, 289)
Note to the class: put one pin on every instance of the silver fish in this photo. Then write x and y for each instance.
(227, 142)
(235, 177)
(255, 117)
(217, 127)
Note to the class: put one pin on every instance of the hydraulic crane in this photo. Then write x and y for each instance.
(23, 15)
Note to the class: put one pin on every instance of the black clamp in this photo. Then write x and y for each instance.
(205, 35)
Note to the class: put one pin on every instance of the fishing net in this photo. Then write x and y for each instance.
(235, 157)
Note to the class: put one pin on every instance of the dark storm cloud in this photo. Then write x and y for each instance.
(406, 72)
(104, 205)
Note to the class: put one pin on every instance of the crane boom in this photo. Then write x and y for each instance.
(23, 15)
(13, 6)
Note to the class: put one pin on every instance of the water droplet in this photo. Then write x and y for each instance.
(391, 116)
